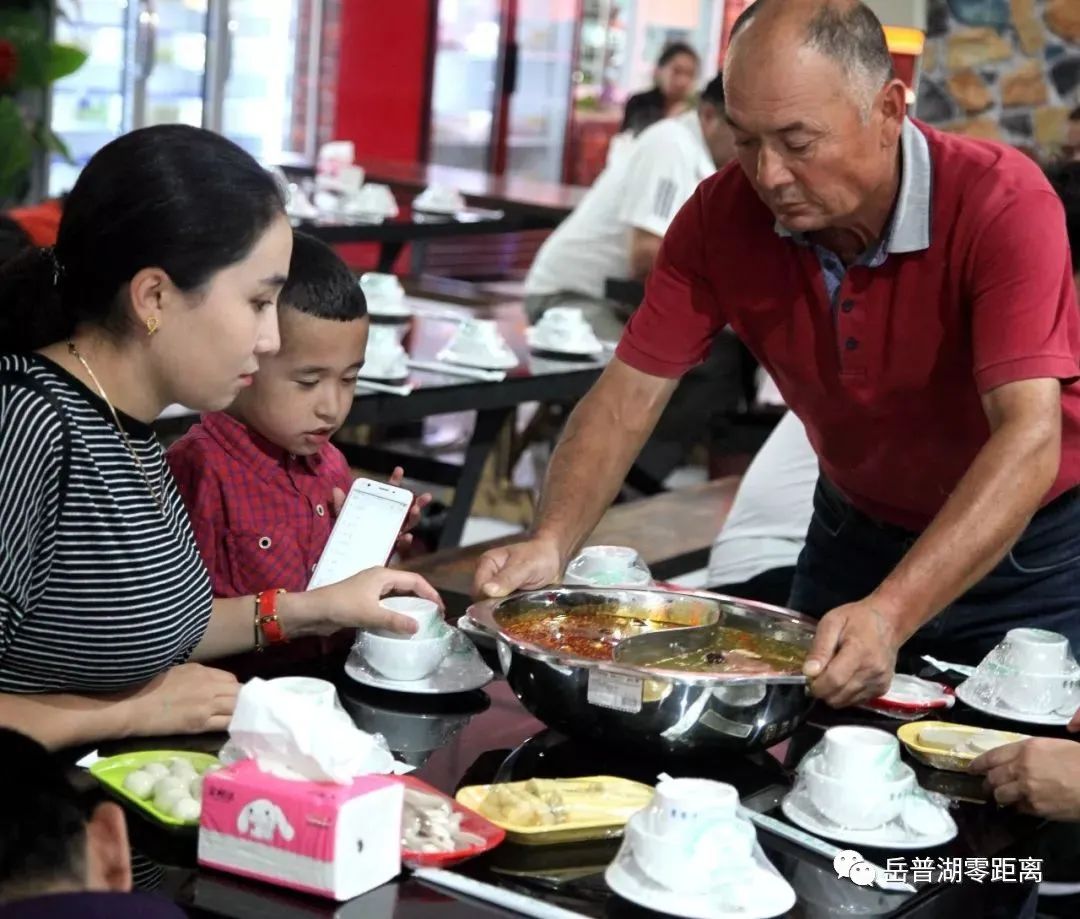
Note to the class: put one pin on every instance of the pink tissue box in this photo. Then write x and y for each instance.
(338, 841)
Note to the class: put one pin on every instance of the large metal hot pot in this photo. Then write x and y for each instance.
(629, 703)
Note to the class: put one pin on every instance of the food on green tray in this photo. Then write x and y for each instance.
(172, 786)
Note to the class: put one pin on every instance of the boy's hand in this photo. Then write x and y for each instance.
(413, 517)
(404, 540)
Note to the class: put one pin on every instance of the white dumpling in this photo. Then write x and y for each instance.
(182, 769)
(213, 767)
(196, 788)
(168, 783)
(139, 783)
(167, 800)
(187, 809)
(157, 770)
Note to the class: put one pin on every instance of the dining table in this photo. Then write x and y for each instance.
(487, 735)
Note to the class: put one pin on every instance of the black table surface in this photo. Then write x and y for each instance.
(487, 735)
(538, 377)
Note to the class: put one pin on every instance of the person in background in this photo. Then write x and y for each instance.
(615, 232)
(261, 481)
(755, 552)
(675, 80)
(62, 854)
(161, 289)
(616, 229)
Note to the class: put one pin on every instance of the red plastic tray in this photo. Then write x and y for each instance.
(472, 823)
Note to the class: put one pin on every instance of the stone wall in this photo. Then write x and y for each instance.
(1002, 69)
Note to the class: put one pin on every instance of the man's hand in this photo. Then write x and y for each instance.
(853, 655)
(1040, 776)
(525, 565)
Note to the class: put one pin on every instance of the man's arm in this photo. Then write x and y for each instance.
(990, 508)
(977, 525)
(603, 436)
(644, 247)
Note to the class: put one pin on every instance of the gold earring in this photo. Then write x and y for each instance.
(151, 324)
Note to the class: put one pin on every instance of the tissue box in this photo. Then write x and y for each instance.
(319, 837)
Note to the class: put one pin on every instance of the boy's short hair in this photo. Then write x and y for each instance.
(1065, 177)
(320, 283)
(42, 821)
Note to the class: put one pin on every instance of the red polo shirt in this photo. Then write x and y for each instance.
(889, 384)
(261, 516)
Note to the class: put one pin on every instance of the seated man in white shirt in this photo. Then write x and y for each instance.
(755, 551)
(615, 231)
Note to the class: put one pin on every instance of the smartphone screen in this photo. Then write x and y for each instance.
(364, 534)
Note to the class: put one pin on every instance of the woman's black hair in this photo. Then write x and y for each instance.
(174, 197)
(673, 50)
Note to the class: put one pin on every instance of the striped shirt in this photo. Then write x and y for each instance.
(99, 590)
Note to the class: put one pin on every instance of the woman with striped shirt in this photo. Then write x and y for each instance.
(161, 288)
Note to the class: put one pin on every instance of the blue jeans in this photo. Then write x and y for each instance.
(847, 555)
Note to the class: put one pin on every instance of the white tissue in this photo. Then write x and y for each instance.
(293, 738)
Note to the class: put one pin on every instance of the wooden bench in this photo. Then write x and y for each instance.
(673, 531)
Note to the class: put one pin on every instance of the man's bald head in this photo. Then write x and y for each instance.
(845, 31)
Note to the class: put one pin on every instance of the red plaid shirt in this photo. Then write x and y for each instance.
(261, 516)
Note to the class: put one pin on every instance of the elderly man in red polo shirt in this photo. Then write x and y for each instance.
(910, 293)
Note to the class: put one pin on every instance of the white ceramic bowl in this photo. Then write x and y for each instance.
(691, 862)
(425, 613)
(401, 657)
(855, 804)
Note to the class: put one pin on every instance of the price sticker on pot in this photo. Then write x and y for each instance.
(615, 691)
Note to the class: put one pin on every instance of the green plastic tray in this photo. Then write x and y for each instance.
(112, 771)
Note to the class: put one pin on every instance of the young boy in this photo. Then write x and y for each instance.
(261, 481)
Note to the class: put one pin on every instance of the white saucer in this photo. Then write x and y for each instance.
(1054, 719)
(462, 671)
(504, 361)
(776, 896)
(800, 810)
(535, 341)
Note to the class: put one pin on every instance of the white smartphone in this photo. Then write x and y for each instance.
(364, 533)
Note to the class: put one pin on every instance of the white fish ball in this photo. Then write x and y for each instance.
(182, 769)
(196, 788)
(139, 783)
(187, 809)
(169, 782)
(157, 770)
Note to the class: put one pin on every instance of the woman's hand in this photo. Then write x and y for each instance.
(353, 604)
(187, 699)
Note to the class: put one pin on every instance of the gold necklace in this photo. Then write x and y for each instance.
(127, 442)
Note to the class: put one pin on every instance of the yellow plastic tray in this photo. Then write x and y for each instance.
(612, 805)
(112, 771)
(938, 757)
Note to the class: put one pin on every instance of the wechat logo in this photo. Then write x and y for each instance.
(849, 864)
